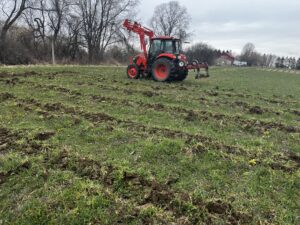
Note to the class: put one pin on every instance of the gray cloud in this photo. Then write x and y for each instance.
(272, 25)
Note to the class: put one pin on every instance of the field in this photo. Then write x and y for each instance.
(85, 145)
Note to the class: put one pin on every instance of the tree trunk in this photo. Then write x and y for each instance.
(91, 53)
(3, 46)
(53, 51)
(101, 55)
(1, 51)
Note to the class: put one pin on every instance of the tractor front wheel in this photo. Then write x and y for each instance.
(133, 71)
(161, 70)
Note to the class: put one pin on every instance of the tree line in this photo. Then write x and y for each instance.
(64, 30)
(254, 58)
(206, 53)
(78, 31)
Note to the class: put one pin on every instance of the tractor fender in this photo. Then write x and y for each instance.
(166, 55)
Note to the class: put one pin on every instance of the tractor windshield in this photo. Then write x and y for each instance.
(172, 46)
(168, 46)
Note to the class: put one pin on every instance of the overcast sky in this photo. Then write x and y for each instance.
(273, 26)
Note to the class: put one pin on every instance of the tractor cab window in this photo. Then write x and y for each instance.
(155, 47)
(168, 46)
(178, 48)
(172, 46)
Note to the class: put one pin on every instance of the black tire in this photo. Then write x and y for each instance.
(181, 76)
(161, 70)
(130, 71)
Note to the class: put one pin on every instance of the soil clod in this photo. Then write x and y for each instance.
(149, 94)
(218, 207)
(256, 110)
(5, 96)
(45, 135)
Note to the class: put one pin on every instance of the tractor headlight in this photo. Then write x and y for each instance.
(181, 63)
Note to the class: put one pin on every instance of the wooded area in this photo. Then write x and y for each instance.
(63, 30)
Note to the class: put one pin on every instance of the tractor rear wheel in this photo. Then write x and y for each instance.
(133, 72)
(161, 70)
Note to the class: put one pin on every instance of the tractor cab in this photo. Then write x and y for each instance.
(168, 46)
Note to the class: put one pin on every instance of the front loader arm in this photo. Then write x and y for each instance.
(141, 31)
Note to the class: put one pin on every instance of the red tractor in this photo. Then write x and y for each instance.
(164, 61)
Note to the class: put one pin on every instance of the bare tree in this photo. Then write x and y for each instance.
(202, 52)
(248, 49)
(250, 56)
(73, 27)
(69, 27)
(58, 9)
(271, 60)
(35, 18)
(47, 19)
(171, 19)
(101, 20)
(12, 10)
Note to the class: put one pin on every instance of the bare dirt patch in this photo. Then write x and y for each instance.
(65, 72)
(53, 106)
(12, 81)
(97, 117)
(5, 75)
(256, 110)
(218, 207)
(296, 112)
(191, 116)
(34, 73)
(63, 90)
(149, 93)
(6, 96)
(45, 135)
(289, 162)
(5, 175)
(7, 139)
(9, 142)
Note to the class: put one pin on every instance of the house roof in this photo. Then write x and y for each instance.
(228, 56)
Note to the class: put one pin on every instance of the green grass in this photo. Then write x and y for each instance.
(85, 145)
